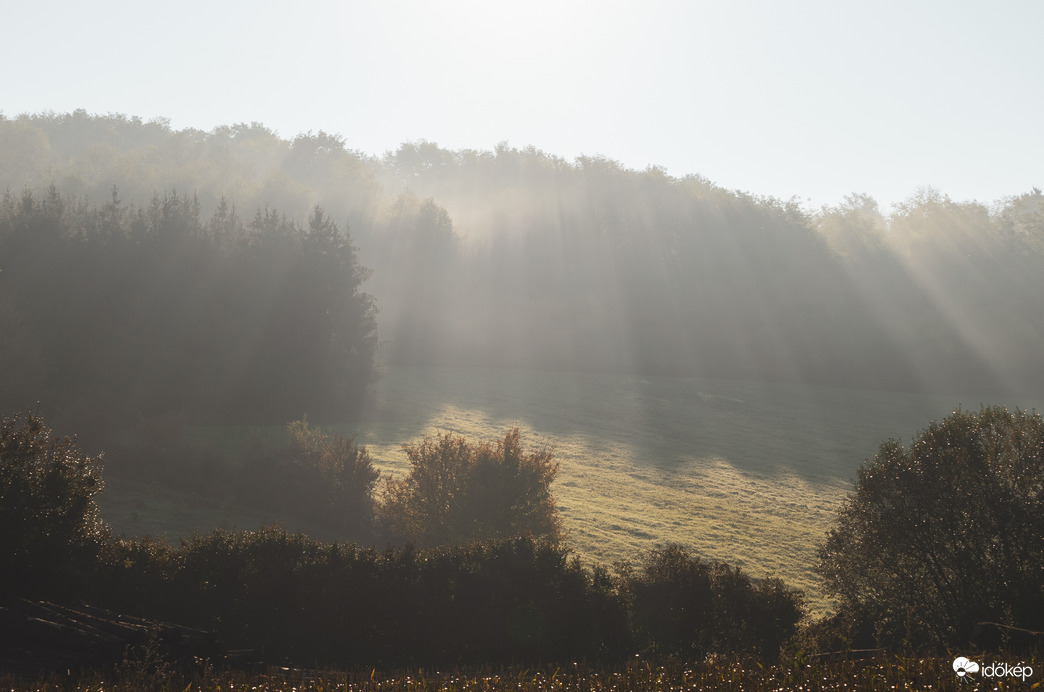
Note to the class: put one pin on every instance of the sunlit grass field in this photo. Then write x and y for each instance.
(749, 473)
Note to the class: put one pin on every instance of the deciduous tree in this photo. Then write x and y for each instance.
(457, 491)
(945, 533)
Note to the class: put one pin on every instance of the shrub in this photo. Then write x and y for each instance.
(945, 533)
(135, 576)
(325, 479)
(683, 606)
(457, 491)
(294, 599)
(49, 526)
(518, 601)
(344, 472)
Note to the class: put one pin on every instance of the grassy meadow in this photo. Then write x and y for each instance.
(750, 473)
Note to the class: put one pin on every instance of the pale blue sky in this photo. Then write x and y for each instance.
(808, 99)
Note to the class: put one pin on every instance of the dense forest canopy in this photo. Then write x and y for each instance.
(117, 311)
(173, 243)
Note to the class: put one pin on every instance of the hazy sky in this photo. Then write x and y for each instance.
(808, 99)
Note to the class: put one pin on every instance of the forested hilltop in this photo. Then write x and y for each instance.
(511, 257)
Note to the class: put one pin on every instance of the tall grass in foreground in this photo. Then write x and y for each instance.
(882, 673)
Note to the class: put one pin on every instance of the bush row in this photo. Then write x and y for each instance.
(512, 601)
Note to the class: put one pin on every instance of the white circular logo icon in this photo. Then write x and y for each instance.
(963, 666)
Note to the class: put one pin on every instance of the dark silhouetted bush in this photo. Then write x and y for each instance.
(342, 470)
(49, 526)
(512, 601)
(320, 478)
(294, 599)
(686, 607)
